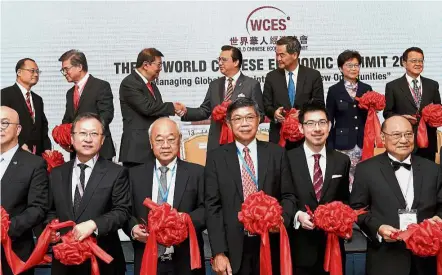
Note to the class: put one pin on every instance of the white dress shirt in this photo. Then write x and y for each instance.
(311, 168)
(5, 159)
(253, 152)
(294, 76)
(235, 78)
(142, 76)
(405, 179)
(24, 91)
(77, 171)
(410, 82)
(82, 83)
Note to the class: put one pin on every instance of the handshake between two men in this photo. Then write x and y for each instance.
(180, 109)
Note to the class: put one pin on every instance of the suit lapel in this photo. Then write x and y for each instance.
(299, 82)
(328, 173)
(238, 86)
(263, 160)
(13, 168)
(406, 90)
(147, 188)
(426, 94)
(181, 179)
(390, 177)
(283, 82)
(234, 167)
(19, 96)
(222, 83)
(84, 93)
(343, 94)
(66, 180)
(417, 181)
(305, 173)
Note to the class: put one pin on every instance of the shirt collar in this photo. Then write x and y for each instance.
(83, 81)
(142, 76)
(295, 71)
(236, 76)
(170, 165)
(251, 146)
(22, 89)
(407, 160)
(90, 163)
(309, 153)
(7, 156)
(410, 79)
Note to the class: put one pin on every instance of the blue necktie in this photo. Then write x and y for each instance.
(291, 89)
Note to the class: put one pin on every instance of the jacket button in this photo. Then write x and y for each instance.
(341, 131)
(356, 117)
(356, 127)
(354, 106)
(340, 100)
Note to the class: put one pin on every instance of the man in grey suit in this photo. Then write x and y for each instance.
(232, 85)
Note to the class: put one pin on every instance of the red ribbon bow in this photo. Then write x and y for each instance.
(290, 128)
(431, 115)
(373, 102)
(53, 159)
(260, 213)
(62, 136)
(219, 115)
(168, 227)
(336, 219)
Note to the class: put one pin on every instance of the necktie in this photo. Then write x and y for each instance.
(28, 103)
(161, 200)
(248, 186)
(416, 92)
(76, 97)
(229, 91)
(78, 195)
(150, 88)
(396, 165)
(317, 177)
(291, 89)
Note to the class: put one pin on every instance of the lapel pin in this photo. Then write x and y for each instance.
(14, 162)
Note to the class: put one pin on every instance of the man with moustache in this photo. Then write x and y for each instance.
(29, 106)
(397, 189)
(289, 86)
(320, 175)
(167, 179)
(409, 94)
(233, 172)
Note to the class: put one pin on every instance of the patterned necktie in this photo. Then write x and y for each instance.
(291, 89)
(248, 186)
(162, 185)
(150, 88)
(317, 177)
(229, 90)
(78, 195)
(28, 103)
(416, 92)
(76, 97)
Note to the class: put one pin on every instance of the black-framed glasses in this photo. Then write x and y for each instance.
(223, 59)
(312, 124)
(65, 70)
(32, 71)
(351, 66)
(84, 135)
(158, 64)
(398, 136)
(239, 119)
(5, 124)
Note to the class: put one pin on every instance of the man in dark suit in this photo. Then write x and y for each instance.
(320, 176)
(409, 94)
(94, 193)
(89, 94)
(166, 178)
(24, 188)
(29, 106)
(289, 86)
(397, 189)
(232, 85)
(232, 173)
(141, 104)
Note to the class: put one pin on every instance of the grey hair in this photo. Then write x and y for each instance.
(158, 121)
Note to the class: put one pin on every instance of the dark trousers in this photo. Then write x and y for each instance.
(165, 268)
(250, 256)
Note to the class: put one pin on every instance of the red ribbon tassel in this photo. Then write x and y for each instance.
(62, 136)
(53, 159)
(431, 115)
(219, 115)
(12, 259)
(290, 128)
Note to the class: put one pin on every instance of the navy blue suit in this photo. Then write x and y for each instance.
(348, 120)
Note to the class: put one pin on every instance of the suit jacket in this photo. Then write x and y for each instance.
(224, 196)
(399, 101)
(96, 98)
(32, 133)
(24, 195)
(308, 86)
(139, 110)
(376, 187)
(188, 198)
(348, 120)
(106, 201)
(308, 246)
(245, 85)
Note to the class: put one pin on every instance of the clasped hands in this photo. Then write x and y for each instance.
(81, 231)
(180, 109)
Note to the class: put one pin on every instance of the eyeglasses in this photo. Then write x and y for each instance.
(5, 124)
(398, 136)
(351, 66)
(84, 135)
(65, 70)
(238, 120)
(161, 142)
(416, 61)
(312, 124)
(158, 64)
(32, 71)
(223, 59)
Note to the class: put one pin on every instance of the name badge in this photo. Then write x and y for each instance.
(406, 217)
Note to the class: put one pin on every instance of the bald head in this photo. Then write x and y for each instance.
(398, 137)
(165, 140)
(9, 113)
(396, 122)
(164, 122)
(10, 128)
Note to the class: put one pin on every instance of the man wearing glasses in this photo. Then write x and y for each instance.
(409, 94)
(29, 106)
(397, 189)
(89, 94)
(320, 175)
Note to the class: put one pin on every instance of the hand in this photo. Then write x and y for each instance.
(412, 119)
(278, 114)
(435, 219)
(55, 237)
(180, 109)
(83, 230)
(221, 265)
(385, 232)
(305, 220)
(47, 151)
(26, 148)
(139, 233)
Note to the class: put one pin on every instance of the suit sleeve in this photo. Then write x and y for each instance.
(214, 215)
(44, 130)
(67, 118)
(389, 101)
(198, 215)
(288, 197)
(257, 97)
(344, 187)
(37, 203)
(203, 111)
(105, 104)
(132, 221)
(52, 214)
(121, 205)
(267, 99)
(318, 88)
(436, 99)
(331, 109)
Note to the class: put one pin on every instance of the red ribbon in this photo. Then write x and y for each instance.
(373, 102)
(53, 159)
(13, 260)
(219, 115)
(167, 227)
(260, 213)
(290, 128)
(431, 115)
(336, 219)
(62, 136)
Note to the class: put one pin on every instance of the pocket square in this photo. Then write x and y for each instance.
(241, 95)
(336, 176)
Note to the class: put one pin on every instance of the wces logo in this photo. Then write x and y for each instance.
(261, 19)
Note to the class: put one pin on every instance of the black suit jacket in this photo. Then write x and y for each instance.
(106, 201)
(376, 187)
(224, 196)
(348, 120)
(275, 95)
(188, 198)
(399, 101)
(24, 195)
(245, 85)
(32, 133)
(139, 110)
(308, 246)
(96, 98)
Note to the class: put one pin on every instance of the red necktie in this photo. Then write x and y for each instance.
(28, 103)
(248, 186)
(76, 97)
(150, 88)
(317, 177)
